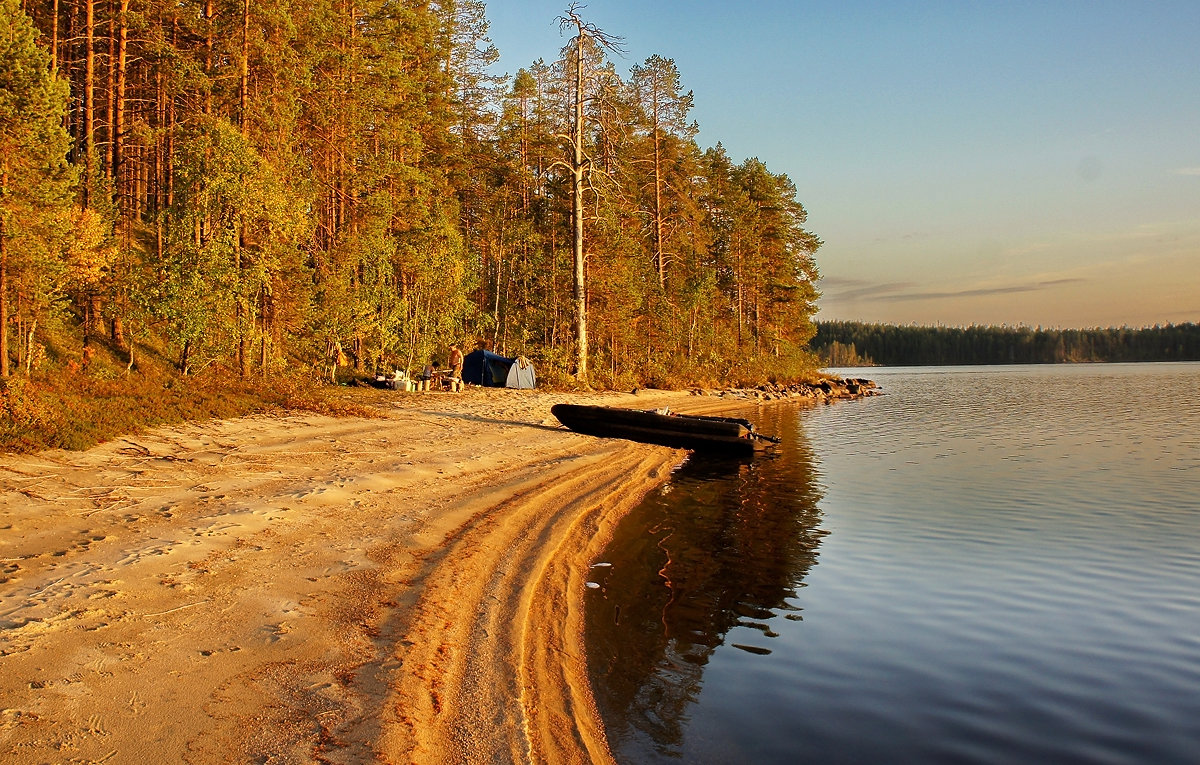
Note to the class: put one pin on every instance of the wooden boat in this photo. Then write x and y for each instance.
(721, 435)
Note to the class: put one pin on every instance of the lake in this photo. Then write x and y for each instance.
(982, 565)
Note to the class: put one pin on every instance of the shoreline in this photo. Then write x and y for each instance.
(300, 587)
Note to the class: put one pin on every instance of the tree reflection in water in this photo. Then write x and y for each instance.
(724, 544)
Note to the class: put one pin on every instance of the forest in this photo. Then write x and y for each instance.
(276, 187)
(848, 343)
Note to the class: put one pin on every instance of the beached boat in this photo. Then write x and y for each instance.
(722, 435)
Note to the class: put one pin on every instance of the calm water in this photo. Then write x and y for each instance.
(984, 565)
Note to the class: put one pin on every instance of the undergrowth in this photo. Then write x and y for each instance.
(69, 404)
(76, 407)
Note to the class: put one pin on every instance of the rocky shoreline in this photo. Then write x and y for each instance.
(825, 391)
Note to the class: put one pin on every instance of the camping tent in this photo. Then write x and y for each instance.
(481, 367)
(520, 374)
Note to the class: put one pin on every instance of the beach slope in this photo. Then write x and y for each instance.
(301, 588)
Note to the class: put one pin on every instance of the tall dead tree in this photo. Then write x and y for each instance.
(580, 167)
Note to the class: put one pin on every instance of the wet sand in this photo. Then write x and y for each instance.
(301, 588)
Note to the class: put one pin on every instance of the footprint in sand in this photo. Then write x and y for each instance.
(136, 705)
(95, 726)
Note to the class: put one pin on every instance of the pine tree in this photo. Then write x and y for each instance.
(36, 183)
(664, 112)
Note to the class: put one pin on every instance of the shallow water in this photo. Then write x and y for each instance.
(984, 565)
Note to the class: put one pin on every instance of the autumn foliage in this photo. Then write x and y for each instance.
(266, 188)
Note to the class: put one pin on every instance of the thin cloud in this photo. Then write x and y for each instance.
(1187, 171)
(899, 292)
(980, 292)
(842, 281)
(860, 289)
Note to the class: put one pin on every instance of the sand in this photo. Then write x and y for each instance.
(298, 588)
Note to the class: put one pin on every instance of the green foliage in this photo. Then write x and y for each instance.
(276, 184)
(37, 219)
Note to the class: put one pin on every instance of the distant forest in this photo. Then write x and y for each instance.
(257, 186)
(847, 343)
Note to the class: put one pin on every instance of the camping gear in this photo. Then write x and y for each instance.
(720, 435)
(521, 375)
(482, 367)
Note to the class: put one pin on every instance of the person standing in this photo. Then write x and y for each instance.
(456, 362)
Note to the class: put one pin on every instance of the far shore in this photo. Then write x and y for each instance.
(300, 588)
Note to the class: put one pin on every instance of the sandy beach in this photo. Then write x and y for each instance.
(301, 588)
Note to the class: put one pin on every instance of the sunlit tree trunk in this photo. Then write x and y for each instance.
(54, 38)
(89, 98)
(120, 170)
(244, 122)
(3, 291)
(579, 167)
(209, 12)
(119, 105)
(579, 293)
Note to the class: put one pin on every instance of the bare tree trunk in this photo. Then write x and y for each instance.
(119, 169)
(244, 80)
(496, 300)
(209, 12)
(28, 341)
(692, 333)
(577, 171)
(3, 295)
(89, 97)
(741, 312)
(110, 93)
(54, 39)
(22, 334)
(239, 318)
(121, 79)
(169, 131)
(580, 166)
(658, 214)
(243, 308)
(262, 311)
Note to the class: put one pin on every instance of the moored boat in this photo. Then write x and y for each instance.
(728, 435)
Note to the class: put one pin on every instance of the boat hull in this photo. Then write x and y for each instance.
(707, 434)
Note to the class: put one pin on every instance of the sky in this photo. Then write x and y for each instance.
(1016, 163)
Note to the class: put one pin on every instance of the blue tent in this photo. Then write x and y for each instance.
(482, 367)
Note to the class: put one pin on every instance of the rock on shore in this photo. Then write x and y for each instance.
(825, 391)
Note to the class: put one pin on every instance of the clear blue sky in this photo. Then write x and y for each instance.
(1030, 163)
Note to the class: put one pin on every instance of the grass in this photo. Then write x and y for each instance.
(76, 408)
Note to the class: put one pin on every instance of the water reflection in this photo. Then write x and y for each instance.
(1012, 575)
(721, 550)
